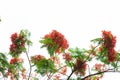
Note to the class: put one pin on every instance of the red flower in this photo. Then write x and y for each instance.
(17, 40)
(15, 60)
(22, 41)
(67, 57)
(56, 60)
(38, 57)
(80, 67)
(111, 55)
(64, 70)
(18, 44)
(99, 67)
(109, 39)
(13, 37)
(57, 77)
(58, 39)
(109, 44)
(13, 47)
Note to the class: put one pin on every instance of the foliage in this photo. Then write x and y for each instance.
(63, 62)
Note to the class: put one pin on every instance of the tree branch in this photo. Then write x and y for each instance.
(29, 63)
(109, 70)
(71, 74)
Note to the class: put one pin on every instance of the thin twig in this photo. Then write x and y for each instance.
(89, 69)
(29, 63)
(90, 53)
(50, 76)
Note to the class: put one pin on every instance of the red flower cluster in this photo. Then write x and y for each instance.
(56, 61)
(80, 66)
(110, 40)
(9, 73)
(109, 44)
(15, 60)
(58, 39)
(36, 58)
(57, 77)
(13, 70)
(67, 57)
(63, 70)
(99, 67)
(13, 37)
(18, 42)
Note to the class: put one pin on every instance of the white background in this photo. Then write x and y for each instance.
(79, 20)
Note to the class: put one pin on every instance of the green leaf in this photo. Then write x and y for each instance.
(72, 79)
(44, 66)
(46, 41)
(114, 64)
(78, 53)
(3, 63)
(26, 34)
(52, 49)
(104, 60)
(94, 78)
(69, 64)
(23, 49)
(96, 40)
(35, 78)
(29, 42)
(78, 78)
(71, 50)
(118, 56)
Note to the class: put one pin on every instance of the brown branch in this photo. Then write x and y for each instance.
(71, 74)
(29, 63)
(109, 70)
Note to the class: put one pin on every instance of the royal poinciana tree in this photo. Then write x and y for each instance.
(63, 63)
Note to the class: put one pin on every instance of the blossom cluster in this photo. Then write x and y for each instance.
(80, 67)
(18, 44)
(109, 42)
(16, 48)
(57, 39)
